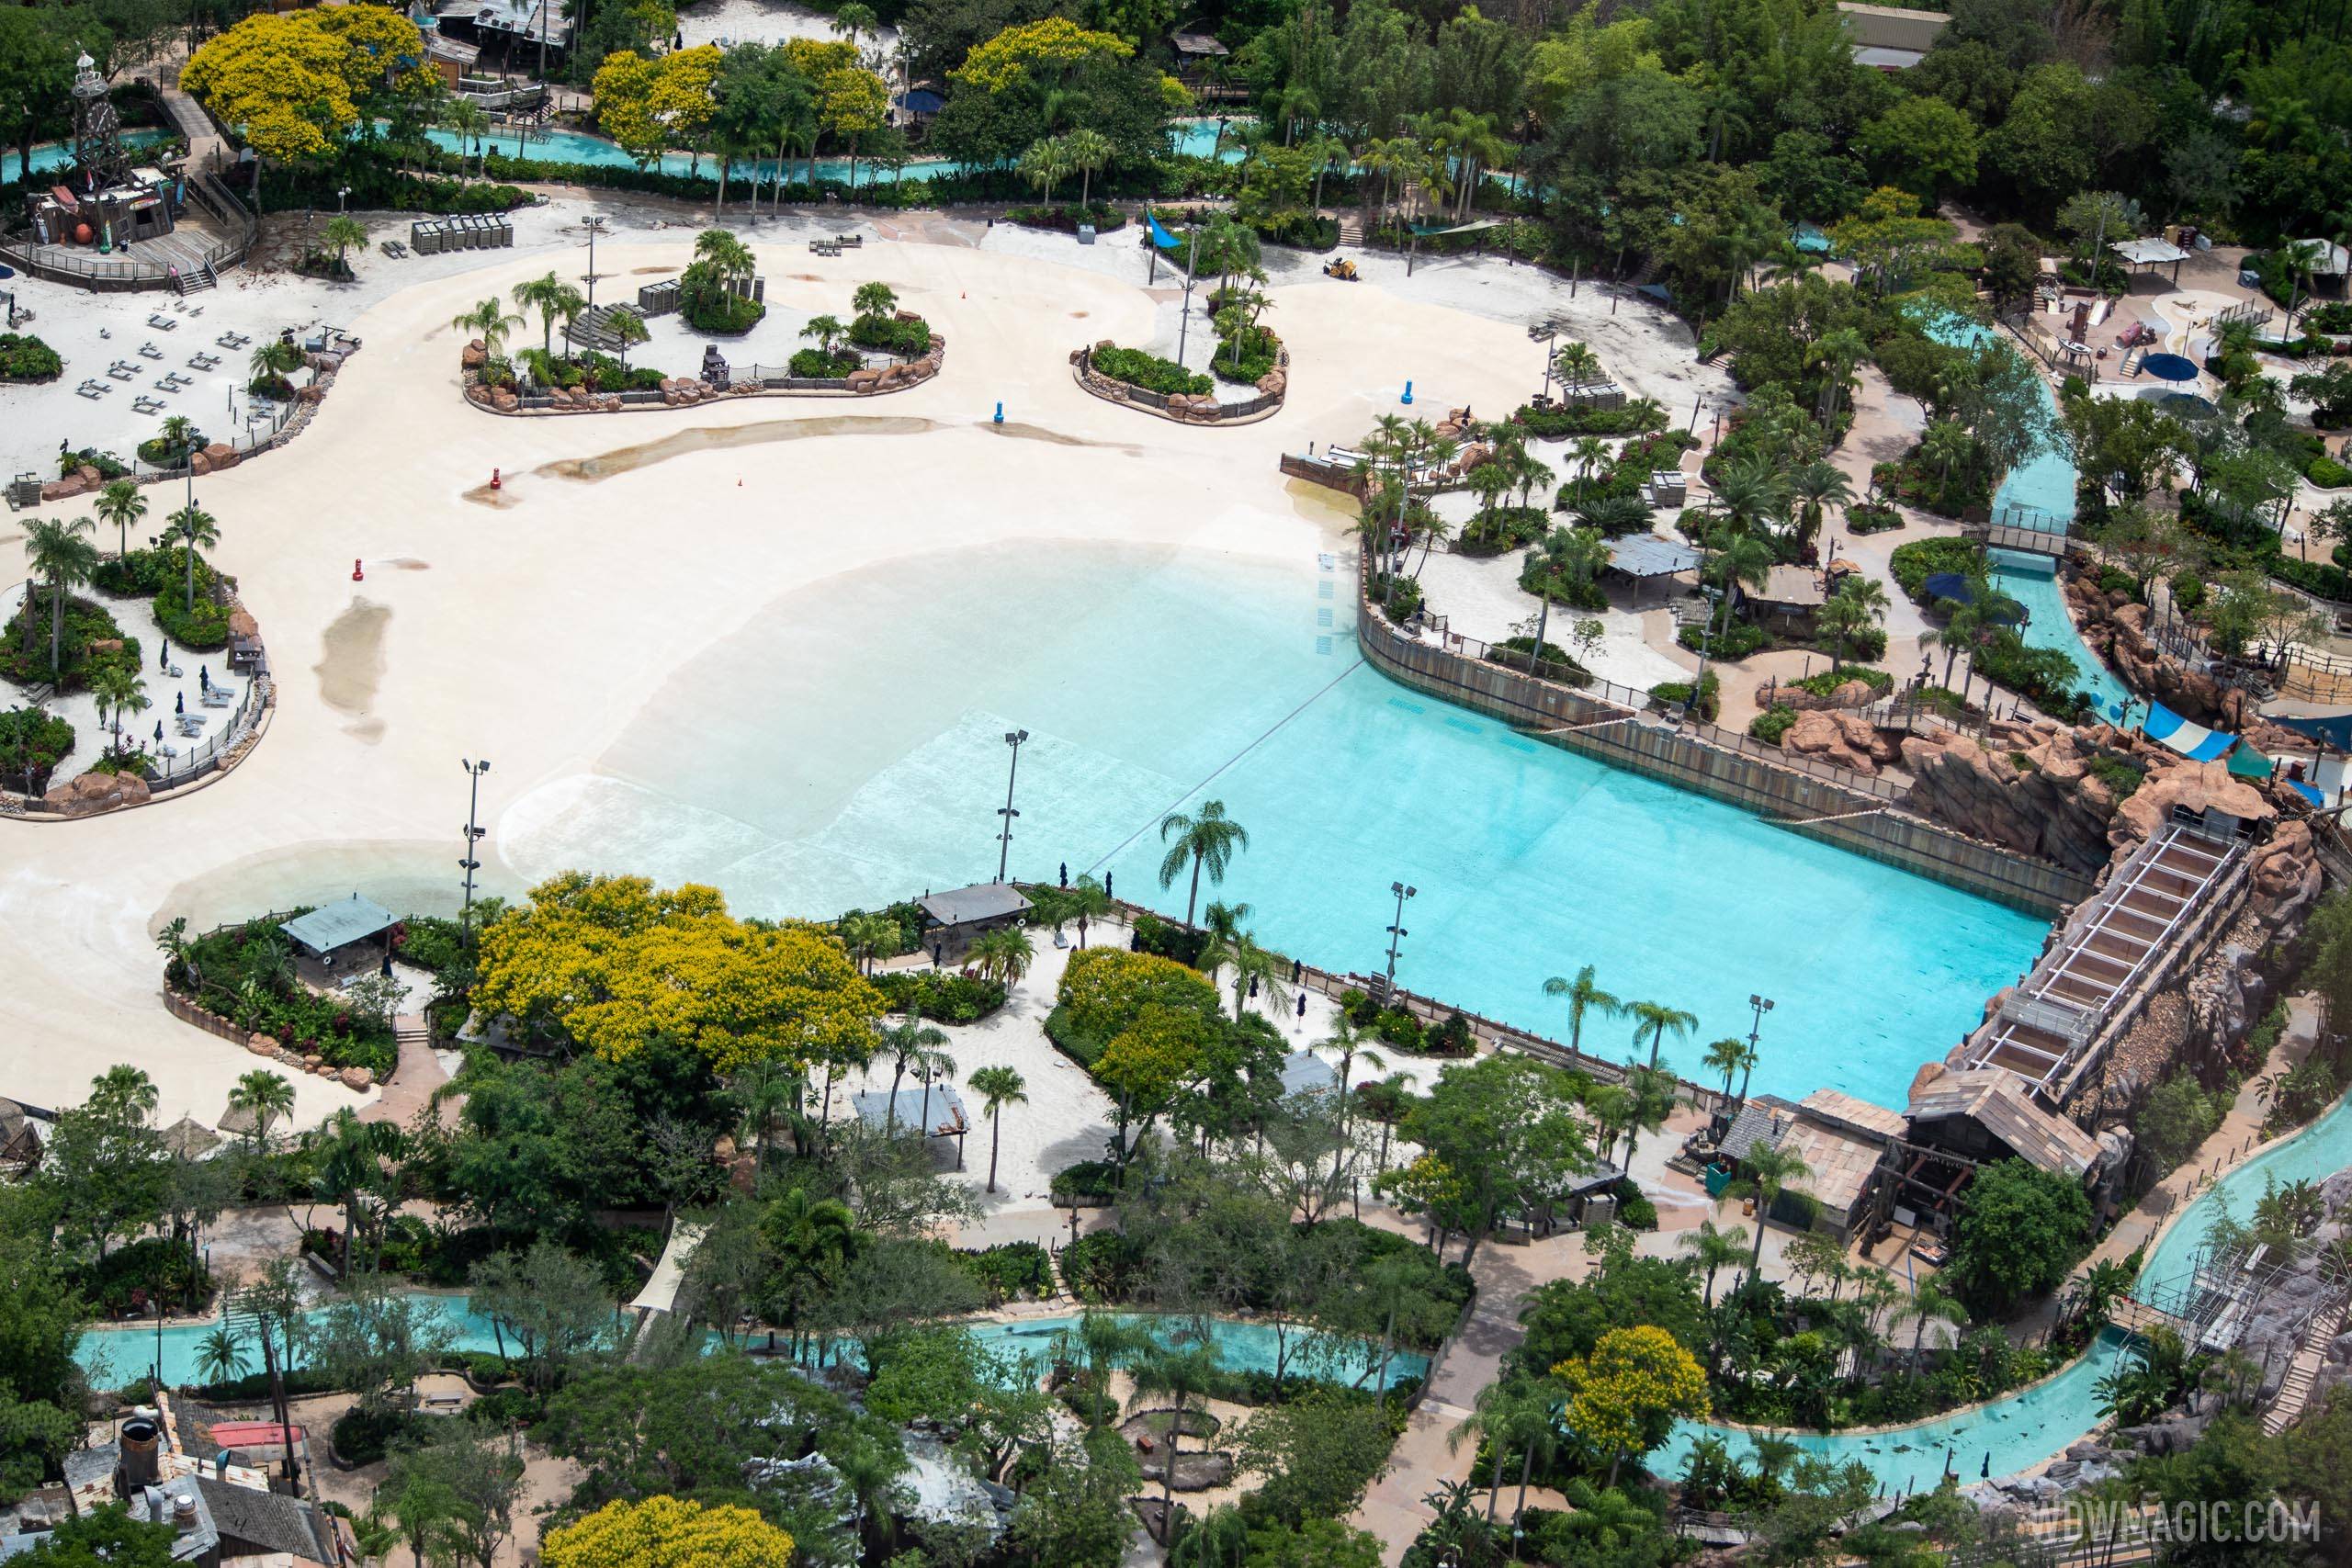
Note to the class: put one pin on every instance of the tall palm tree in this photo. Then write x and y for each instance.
(1711, 1249)
(117, 689)
(65, 561)
(197, 531)
(1503, 1417)
(1005, 955)
(998, 1087)
(555, 300)
(932, 1065)
(1652, 1100)
(490, 322)
(274, 360)
(1931, 1300)
(1584, 997)
(1209, 840)
(809, 1237)
(120, 504)
(1770, 1172)
(1086, 150)
(221, 1355)
(1858, 603)
(1657, 1020)
(905, 1040)
(465, 120)
(1728, 1055)
(1817, 486)
(868, 937)
(1084, 900)
(1577, 555)
(1575, 364)
(342, 232)
(348, 1157)
(627, 329)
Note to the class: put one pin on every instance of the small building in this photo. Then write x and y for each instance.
(1843, 1142)
(1644, 556)
(341, 940)
(954, 918)
(1303, 1072)
(2146, 254)
(1988, 1114)
(1890, 38)
(1790, 598)
(19, 1140)
(1200, 63)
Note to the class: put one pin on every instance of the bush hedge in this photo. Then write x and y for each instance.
(1148, 371)
(24, 650)
(1730, 644)
(1504, 528)
(1773, 724)
(31, 740)
(1871, 517)
(1920, 559)
(1552, 664)
(1258, 352)
(199, 629)
(24, 357)
(722, 313)
(1556, 422)
(906, 336)
(816, 364)
(940, 996)
(1105, 218)
(1710, 697)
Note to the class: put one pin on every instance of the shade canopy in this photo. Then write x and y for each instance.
(2332, 728)
(2246, 762)
(1952, 585)
(338, 925)
(1647, 555)
(2169, 367)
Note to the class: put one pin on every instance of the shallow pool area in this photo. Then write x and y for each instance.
(1152, 680)
(2039, 492)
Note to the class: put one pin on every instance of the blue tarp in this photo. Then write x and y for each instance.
(1159, 236)
(2334, 728)
(2194, 742)
(2319, 801)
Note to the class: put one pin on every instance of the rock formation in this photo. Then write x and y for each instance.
(2115, 626)
(1847, 739)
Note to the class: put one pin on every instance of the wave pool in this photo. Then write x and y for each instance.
(805, 765)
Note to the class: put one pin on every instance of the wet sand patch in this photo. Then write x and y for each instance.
(720, 438)
(351, 664)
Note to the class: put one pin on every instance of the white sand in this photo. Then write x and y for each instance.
(137, 618)
(492, 630)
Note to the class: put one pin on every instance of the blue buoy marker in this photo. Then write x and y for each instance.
(1000, 411)
(1409, 392)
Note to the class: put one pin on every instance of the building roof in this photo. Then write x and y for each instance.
(1892, 27)
(1303, 1072)
(337, 925)
(1842, 1110)
(981, 901)
(1841, 1161)
(2328, 259)
(16, 1126)
(266, 1522)
(1879, 58)
(1999, 1101)
(1794, 585)
(1197, 44)
(1759, 1123)
(1647, 555)
(2153, 251)
(191, 1139)
(947, 1118)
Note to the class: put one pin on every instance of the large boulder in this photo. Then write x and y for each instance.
(65, 489)
(865, 381)
(220, 455)
(473, 356)
(93, 792)
(1846, 739)
(357, 1077)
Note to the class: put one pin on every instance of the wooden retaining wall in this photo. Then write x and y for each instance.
(1864, 823)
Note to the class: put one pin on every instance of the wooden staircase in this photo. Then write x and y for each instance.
(2295, 1388)
(196, 280)
(1352, 232)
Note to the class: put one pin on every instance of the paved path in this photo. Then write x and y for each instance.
(206, 149)
(415, 1077)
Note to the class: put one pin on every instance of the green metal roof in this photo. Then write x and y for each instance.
(338, 925)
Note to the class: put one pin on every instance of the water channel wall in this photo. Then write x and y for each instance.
(1853, 818)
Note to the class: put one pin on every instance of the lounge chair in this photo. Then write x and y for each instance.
(121, 372)
(219, 697)
(149, 351)
(91, 390)
(163, 323)
(205, 361)
(146, 405)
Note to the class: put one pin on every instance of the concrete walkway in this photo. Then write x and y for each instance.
(416, 1076)
(206, 149)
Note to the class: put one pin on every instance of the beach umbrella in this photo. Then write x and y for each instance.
(2169, 367)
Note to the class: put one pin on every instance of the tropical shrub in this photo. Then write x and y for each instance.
(1258, 350)
(158, 453)
(907, 336)
(1871, 517)
(1013, 1270)
(31, 743)
(24, 650)
(1773, 724)
(1552, 664)
(1557, 422)
(1504, 528)
(1920, 559)
(1731, 643)
(1102, 215)
(720, 312)
(109, 467)
(1709, 696)
(817, 364)
(940, 996)
(1148, 371)
(24, 357)
(201, 629)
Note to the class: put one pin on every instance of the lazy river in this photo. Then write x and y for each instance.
(2023, 1429)
(116, 1356)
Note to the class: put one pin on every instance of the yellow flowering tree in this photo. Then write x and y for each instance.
(650, 106)
(1043, 51)
(667, 1532)
(1624, 1396)
(612, 963)
(1104, 988)
(1158, 1052)
(278, 81)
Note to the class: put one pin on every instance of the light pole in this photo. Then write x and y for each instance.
(595, 224)
(1397, 932)
(1184, 317)
(1012, 737)
(339, 193)
(1762, 1005)
(1550, 336)
(474, 772)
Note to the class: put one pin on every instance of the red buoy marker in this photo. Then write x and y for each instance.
(358, 575)
(494, 481)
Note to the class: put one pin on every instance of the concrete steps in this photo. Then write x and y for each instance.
(2295, 1388)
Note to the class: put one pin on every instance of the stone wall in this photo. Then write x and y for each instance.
(263, 1045)
(687, 391)
(2115, 626)
(1185, 408)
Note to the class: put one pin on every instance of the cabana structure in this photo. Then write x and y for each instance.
(2149, 253)
(1790, 597)
(338, 940)
(1303, 1072)
(1645, 556)
(952, 919)
(944, 1115)
(660, 1293)
(1890, 38)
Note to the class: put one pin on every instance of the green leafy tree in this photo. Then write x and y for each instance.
(2019, 1236)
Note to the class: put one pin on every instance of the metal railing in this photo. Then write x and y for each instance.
(2039, 342)
(204, 190)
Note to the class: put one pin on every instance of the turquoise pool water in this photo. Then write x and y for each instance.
(1152, 680)
(2032, 581)
(2036, 1424)
(1196, 138)
(52, 155)
(116, 1356)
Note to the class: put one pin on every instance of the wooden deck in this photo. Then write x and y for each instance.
(146, 264)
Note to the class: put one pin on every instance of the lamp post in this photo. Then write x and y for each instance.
(1012, 737)
(1550, 336)
(595, 224)
(1756, 1026)
(341, 192)
(1184, 317)
(474, 772)
(1397, 932)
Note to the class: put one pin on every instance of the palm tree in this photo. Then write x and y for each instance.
(66, 560)
(117, 689)
(265, 1096)
(2102, 1285)
(1005, 955)
(348, 1157)
(1503, 1417)
(1086, 150)
(1179, 1374)
(1083, 900)
(121, 503)
(178, 435)
(1575, 364)
(1740, 559)
(1657, 1020)
(826, 330)
(197, 531)
(1817, 486)
(221, 1355)
(930, 1067)
(1931, 1300)
(1711, 1249)
(1751, 496)
(627, 329)
(1209, 840)
(342, 232)
(873, 300)
(809, 1237)
(998, 1088)
(274, 360)
(1575, 554)
(1859, 603)
(1045, 164)
(1770, 1172)
(1946, 442)
(1585, 996)
(1250, 964)
(1727, 1057)
(905, 1040)
(868, 937)
(490, 322)
(465, 120)
(555, 300)
(1651, 1092)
